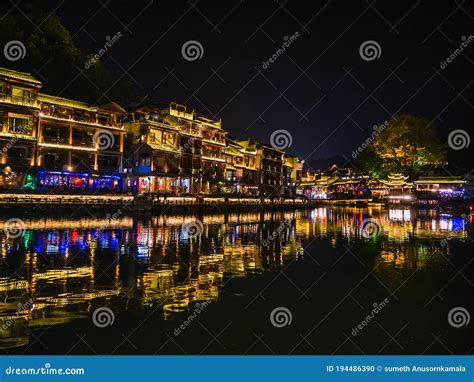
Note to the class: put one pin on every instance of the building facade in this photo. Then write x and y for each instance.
(242, 175)
(176, 151)
(153, 153)
(292, 172)
(79, 146)
(19, 114)
(268, 166)
(53, 142)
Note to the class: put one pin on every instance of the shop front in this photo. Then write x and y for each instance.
(78, 181)
(156, 184)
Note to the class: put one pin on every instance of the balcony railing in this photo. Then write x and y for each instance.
(89, 143)
(26, 101)
(80, 118)
(56, 140)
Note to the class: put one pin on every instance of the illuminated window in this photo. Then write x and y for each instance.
(20, 125)
(168, 138)
(21, 96)
(55, 134)
(82, 138)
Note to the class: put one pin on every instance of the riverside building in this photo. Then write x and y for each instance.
(55, 144)
(50, 142)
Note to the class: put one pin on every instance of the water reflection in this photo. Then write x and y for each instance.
(62, 269)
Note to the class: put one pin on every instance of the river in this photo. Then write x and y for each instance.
(321, 281)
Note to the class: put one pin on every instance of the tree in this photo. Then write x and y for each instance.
(54, 59)
(407, 144)
(369, 162)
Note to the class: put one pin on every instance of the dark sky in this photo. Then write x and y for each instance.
(319, 89)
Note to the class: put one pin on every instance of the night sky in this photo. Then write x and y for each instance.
(319, 89)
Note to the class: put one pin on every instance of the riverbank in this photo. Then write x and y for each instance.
(189, 204)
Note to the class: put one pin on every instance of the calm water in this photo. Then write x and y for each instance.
(231, 271)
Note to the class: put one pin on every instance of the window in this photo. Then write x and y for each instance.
(21, 96)
(82, 161)
(18, 156)
(108, 163)
(55, 160)
(104, 119)
(83, 116)
(159, 163)
(18, 152)
(2, 92)
(55, 134)
(82, 138)
(116, 143)
(20, 125)
(168, 138)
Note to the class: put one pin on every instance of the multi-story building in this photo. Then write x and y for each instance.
(292, 171)
(175, 151)
(49, 142)
(392, 187)
(202, 149)
(153, 153)
(189, 146)
(19, 113)
(434, 187)
(53, 142)
(242, 168)
(79, 146)
(270, 170)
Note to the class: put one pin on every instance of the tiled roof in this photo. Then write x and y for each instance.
(65, 102)
(22, 76)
